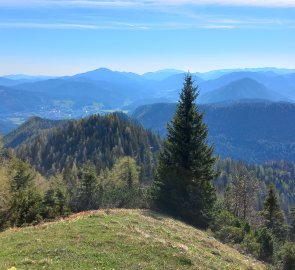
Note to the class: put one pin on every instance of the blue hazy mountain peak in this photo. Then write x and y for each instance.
(242, 89)
(214, 74)
(162, 74)
(105, 74)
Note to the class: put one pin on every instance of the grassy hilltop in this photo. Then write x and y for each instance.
(117, 239)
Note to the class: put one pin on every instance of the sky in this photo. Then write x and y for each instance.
(64, 37)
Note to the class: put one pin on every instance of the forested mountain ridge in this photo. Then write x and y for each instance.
(99, 139)
(253, 132)
(31, 128)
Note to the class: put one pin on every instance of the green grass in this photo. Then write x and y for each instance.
(117, 239)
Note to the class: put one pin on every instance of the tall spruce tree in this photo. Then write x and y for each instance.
(273, 215)
(87, 191)
(185, 169)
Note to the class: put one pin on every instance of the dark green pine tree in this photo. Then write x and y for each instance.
(26, 202)
(22, 176)
(87, 191)
(186, 163)
(273, 215)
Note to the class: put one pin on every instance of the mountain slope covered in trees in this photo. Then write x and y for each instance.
(279, 173)
(99, 139)
(254, 132)
(31, 128)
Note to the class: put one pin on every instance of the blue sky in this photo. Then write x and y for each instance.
(62, 37)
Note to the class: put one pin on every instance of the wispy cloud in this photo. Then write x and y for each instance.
(257, 3)
(144, 15)
(110, 25)
(47, 25)
(205, 22)
(218, 26)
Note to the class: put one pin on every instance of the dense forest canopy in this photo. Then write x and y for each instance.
(279, 173)
(99, 139)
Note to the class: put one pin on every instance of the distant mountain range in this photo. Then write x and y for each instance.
(162, 74)
(104, 90)
(24, 77)
(253, 132)
(15, 79)
(14, 100)
(242, 89)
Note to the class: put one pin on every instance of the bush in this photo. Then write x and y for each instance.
(230, 234)
(55, 204)
(250, 244)
(25, 208)
(122, 197)
(222, 218)
(228, 228)
(286, 257)
(266, 250)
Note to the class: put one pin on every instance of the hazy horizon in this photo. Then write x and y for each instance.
(148, 71)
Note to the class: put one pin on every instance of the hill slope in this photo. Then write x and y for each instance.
(31, 128)
(117, 239)
(12, 100)
(100, 139)
(81, 91)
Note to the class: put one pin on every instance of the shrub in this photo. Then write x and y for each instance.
(265, 239)
(25, 208)
(230, 234)
(222, 218)
(286, 257)
(250, 244)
